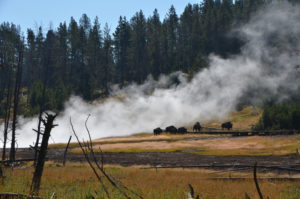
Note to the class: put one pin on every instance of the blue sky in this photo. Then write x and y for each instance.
(33, 13)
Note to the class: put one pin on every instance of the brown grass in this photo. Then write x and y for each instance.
(77, 180)
(208, 145)
(241, 120)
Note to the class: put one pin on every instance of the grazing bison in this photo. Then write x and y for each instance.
(226, 125)
(197, 127)
(182, 130)
(157, 131)
(171, 129)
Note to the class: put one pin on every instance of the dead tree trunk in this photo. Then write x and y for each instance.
(256, 182)
(7, 114)
(39, 132)
(16, 104)
(36, 180)
(42, 104)
(66, 150)
(87, 147)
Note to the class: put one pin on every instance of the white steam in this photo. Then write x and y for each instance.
(267, 67)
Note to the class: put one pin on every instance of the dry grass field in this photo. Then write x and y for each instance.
(76, 180)
(205, 145)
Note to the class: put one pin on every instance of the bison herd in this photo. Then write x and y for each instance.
(182, 130)
(170, 129)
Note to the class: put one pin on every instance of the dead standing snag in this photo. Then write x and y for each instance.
(66, 150)
(85, 153)
(38, 172)
(256, 182)
(87, 148)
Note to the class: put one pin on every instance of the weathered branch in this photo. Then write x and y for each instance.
(66, 150)
(256, 182)
(88, 160)
(115, 184)
(37, 131)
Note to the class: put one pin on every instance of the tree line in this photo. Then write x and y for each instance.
(83, 59)
(282, 116)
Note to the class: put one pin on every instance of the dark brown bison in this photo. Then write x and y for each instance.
(157, 131)
(197, 127)
(171, 129)
(226, 125)
(182, 130)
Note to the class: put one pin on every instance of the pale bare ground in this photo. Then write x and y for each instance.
(148, 137)
(277, 145)
(134, 138)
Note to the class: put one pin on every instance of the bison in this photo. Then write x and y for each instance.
(171, 129)
(197, 127)
(182, 130)
(226, 125)
(157, 131)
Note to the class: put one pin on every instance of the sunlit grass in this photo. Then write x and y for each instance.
(207, 145)
(77, 181)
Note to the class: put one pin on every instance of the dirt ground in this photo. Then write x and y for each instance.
(176, 159)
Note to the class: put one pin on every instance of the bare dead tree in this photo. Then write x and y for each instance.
(100, 167)
(66, 150)
(36, 180)
(16, 103)
(87, 148)
(42, 104)
(7, 113)
(85, 153)
(256, 182)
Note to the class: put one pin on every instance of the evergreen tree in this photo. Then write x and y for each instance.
(31, 61)
(171, 24)
(63, 54)
(138, 51)
(154, 44)
(94, 58)
(108, 59)
(73, 42)
(121, 48)
(83, 87)
(78, 59)
(184, 58)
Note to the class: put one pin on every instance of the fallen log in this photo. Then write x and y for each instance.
(19, 160)
(17, 196)
(249, 178)
(271, 167)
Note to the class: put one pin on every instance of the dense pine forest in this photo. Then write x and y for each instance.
(83, 58)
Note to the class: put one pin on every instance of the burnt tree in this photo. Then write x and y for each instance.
(42, 107)
(7, 112)
(16, 103)
(37, 176)
(66, 150)
(87, 148)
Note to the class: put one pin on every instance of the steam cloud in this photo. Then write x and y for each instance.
(267, 67)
